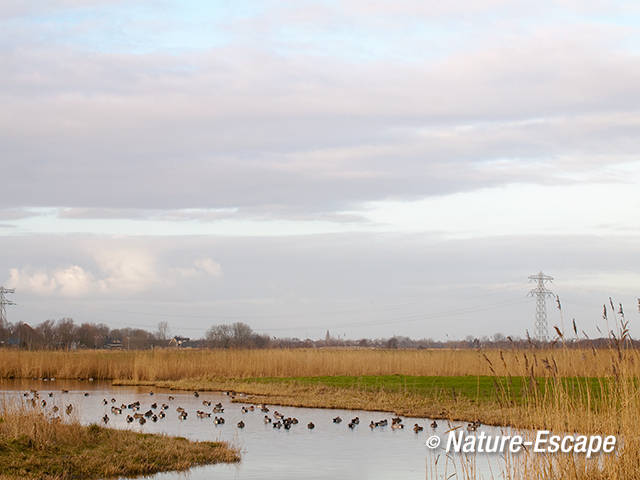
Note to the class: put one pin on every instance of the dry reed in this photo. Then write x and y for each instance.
(168, 364)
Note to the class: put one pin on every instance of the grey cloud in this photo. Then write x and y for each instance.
(103, 213)
(243, 128)
(17, 213)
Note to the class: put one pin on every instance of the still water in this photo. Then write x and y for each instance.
(329, 451)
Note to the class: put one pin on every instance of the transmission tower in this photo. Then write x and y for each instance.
(541, 292)
(3, 302)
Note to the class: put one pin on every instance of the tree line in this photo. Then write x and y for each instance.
(65, 334)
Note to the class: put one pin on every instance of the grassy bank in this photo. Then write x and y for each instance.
(35, 447)
(492, 400)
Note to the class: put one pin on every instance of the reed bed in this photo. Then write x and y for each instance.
(172, 364)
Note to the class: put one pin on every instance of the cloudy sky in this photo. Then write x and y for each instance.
(368, 167)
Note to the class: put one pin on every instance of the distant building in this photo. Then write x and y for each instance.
(179, 342)
(114, 345)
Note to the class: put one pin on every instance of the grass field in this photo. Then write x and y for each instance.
(482, 388)
(33, 446)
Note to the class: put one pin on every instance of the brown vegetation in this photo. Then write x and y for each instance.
(173, 364)
(603, 397)
(33, 446)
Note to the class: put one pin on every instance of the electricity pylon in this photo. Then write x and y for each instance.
(3, 302)
(541, 292)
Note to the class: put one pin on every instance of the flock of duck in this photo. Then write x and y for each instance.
(158, 411)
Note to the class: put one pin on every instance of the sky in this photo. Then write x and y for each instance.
(373, 168)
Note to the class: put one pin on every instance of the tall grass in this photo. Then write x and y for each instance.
(168, 364)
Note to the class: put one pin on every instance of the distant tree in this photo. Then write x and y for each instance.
(64, 333)
(219, 336)
(392, 343)
(498, 337)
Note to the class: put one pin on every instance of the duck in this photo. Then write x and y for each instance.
(434, 424)
(267, 419)
(355, 420)
(142, 421)
(397, 426)
(337, 420)
(218, 420)
(240, 424)
(196, 394)
(417, 428)
(129, 419)
(171, 398)
(310, 426)
(69, 409)
(352, 425)
(105, 419)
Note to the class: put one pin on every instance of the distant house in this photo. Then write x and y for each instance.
(179, 342)
(114, 345)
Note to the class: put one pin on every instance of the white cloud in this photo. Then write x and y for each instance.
(208, 266)
(71, 281)
(202, 266)
(130, 270)
(119, 270)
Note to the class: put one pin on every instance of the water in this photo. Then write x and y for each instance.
(329, 451)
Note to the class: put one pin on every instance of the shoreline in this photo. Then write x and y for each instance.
(307, 396)
(34, 446)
